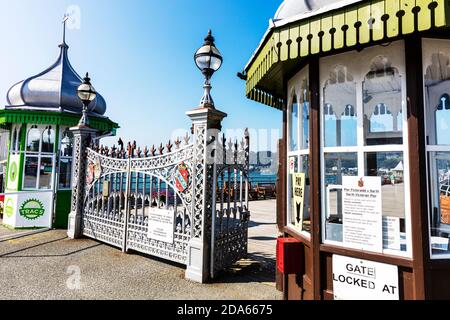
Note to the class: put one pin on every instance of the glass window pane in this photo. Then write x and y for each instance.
(45, 178)
(340, 118)
(31, 170)
(65, 173)
(337, 165)
(293, 125)
(389, 167)
(440, 215)
(299, 164)
(382, 98)
(67, 144)
(48, 140)
(33, 139)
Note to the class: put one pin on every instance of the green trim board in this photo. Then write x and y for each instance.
(358, 24)
(57, 118)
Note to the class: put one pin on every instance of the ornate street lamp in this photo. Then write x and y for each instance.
(87, 94)
(208, 59)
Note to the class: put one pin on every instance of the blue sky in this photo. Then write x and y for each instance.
(140, 57)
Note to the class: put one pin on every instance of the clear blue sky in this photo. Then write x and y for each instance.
(140, 56)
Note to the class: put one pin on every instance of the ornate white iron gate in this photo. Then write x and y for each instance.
(121, 190)
(202, 187)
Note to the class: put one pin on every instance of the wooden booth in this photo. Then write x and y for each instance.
(364, 177)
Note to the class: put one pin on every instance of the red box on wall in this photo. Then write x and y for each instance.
(290, 256)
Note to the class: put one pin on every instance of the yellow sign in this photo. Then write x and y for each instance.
(298, 193)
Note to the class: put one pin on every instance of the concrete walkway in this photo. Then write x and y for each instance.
(50, 266)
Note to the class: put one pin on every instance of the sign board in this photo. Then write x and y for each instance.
(298, 193)
(161, 225)
(13, 172)
(362, 213)
(391, 233)
(355, 279)
(28, 209)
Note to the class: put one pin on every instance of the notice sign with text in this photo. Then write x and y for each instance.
(299, 198)
(362, 213)
(161, 225)
(355, 279)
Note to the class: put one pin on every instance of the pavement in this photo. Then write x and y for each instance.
(48, 265)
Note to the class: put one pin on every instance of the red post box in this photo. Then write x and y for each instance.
(290, 256)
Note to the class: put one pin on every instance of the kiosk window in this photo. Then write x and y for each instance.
(436, 65)
(39, 158)
(298, 153)
(65, 160)
(363, 121)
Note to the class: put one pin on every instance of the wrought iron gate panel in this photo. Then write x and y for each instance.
(104, 217)
(134, 185)
(230, 200)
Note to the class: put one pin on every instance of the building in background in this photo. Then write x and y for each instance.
(363, 193)
(36, 124)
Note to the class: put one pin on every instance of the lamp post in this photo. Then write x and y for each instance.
(208, 59)
(87, 94)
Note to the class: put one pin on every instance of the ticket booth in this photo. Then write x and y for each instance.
(364, 175)
(36, 124)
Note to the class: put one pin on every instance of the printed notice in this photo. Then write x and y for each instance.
(362, 213)
(161, 225)
(391, 233)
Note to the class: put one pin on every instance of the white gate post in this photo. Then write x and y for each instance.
(206, 127)
(82, 138)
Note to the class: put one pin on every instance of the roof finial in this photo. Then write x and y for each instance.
(65, 18)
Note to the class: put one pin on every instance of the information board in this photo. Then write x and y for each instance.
(362, 213)
(161, 225)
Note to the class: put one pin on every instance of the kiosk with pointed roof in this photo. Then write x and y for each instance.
(36, 120)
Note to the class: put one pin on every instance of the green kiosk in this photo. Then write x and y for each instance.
(36, 122)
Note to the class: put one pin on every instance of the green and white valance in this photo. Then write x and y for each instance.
(358, 24)
(63, 119)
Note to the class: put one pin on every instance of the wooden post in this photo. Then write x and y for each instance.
(417, 160)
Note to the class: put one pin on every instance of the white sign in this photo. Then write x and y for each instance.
(362, 213)
(355, 279)
(28, 209)
(161, 225)
(391, 233)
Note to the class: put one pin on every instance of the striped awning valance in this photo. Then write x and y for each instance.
(358, 24)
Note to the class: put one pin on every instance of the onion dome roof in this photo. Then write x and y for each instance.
(54, 89)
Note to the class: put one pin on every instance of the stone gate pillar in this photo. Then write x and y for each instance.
(83, 136)
(206, 127)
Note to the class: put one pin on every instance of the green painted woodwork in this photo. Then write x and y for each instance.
(62, 209)
(357, 24)
(23, 142)
(56, 118)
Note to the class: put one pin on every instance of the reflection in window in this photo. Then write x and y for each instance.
(33, 139)
(48, 140)
(340, 118)
(67, 144)
(31, 172)
(440, 222)
(45, 173)
(382, 98)
(294, 116)
(389, 166)
(337, 165)
(65, 173)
